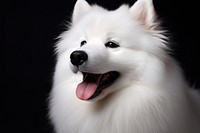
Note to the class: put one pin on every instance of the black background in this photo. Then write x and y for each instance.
(29, 29)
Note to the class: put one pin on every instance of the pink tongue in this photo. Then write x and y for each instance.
(85, 90)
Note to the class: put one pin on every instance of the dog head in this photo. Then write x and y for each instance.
(110, 48)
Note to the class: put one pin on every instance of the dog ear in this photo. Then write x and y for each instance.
(143, 11)
(80, 8)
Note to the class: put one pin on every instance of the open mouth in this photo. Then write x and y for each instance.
(93, 84)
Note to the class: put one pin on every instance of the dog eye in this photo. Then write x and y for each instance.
(112, 44)
(83, 42)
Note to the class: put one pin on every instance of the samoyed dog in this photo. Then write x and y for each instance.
(113, 75)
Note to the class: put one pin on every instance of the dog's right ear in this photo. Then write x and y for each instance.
(80, 8)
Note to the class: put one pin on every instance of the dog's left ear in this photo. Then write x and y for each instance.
(80, 8)
(143, 11)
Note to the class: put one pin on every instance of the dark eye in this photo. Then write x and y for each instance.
(112, 44)
(83, 43)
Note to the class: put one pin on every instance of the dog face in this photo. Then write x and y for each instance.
(110, 46)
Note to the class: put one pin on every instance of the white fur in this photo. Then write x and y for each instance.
(150, 96)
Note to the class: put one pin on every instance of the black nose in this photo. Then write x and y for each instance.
(78, 57)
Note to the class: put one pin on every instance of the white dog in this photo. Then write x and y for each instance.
(113, 75)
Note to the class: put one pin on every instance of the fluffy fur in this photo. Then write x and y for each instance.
(150, 96)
